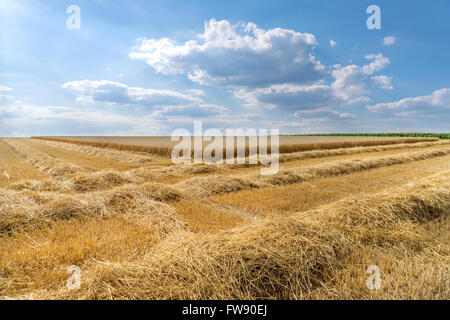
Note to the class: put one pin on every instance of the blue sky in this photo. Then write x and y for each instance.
(149, 67)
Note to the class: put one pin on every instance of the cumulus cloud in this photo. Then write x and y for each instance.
(388, 41)
(236, 55)
(438, 101)
(116, 93)
(287, 96)
(377, 62)
(383, 82)
(348, 87)
(271, 69)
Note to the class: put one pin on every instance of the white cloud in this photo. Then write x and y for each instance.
(241, 55)
(190, 112)
(21, 119)
(347, 88)
(437, 102)
(4, 98)
(388, 41)
(5, 88)
(273, 68)
(324, 113)
(116, 93)
(164, 104)
(196, 92)
(27, 119)
(332, 43)
(383, 82)
(378, 62)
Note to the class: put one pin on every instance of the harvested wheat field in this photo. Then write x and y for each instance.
(137, 226)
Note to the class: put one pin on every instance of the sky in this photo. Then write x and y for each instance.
(150, 67)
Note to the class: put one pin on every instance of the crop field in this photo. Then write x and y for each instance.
(138, 226)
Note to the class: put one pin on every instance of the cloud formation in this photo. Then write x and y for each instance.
(383, 82)
(324, 113)
(5, 97)
(388, 41)
(435, 103)
(116, 93)
(348, 87)
(270, 69)
(236, 55)
(190, 111)
(5, 88)
(164, 104)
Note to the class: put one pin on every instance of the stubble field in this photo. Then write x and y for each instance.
(139, 227)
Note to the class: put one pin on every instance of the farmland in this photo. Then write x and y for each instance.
(140, 227)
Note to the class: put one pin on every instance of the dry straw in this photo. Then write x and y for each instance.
(162, 151)
(199, 187)
(166, 151)
(120, 156)
(29, 209)
(278, 257)
(51, 166)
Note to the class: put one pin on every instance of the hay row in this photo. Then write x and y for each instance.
(28, 209)
(101, 180)
(58, 167)
(47, 164)
(200, 187)
(295, 156)
(161, 151)
(281, 257)
(166, 151)
(162, 172)
(348, 144)
(13, 167)
(120, 156)
(356, 150)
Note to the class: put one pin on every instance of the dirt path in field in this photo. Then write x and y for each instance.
(83, 159)
(12, 165)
